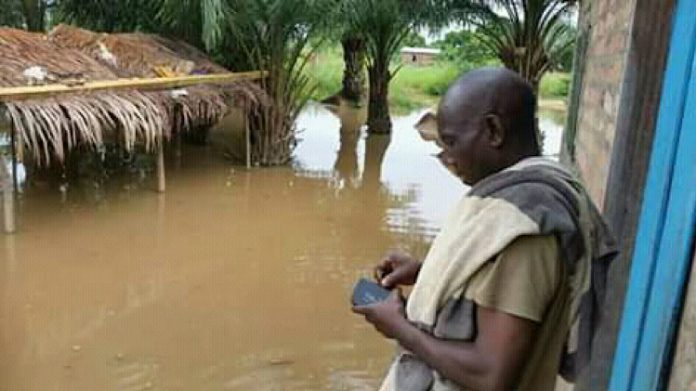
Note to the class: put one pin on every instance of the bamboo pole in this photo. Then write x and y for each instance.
(161, 180)
(161, 83)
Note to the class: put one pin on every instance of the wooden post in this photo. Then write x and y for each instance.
(161, 180)
(8, 198)
(13, 144)
(8, 185)
(247, 130)
(19, 142)
(8, 207)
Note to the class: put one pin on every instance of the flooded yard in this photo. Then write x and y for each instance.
(233, 279)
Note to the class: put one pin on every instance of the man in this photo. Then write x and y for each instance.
(503, 283)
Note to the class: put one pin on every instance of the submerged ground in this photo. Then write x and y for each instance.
(231, 280)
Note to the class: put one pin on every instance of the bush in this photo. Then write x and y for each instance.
(411, 88)
(325, 71)
(555, 85)
(466, 49)
(432, 81)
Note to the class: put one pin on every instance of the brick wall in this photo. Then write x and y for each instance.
(609, 24)
(610, 134)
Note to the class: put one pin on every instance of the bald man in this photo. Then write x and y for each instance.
(494, 301)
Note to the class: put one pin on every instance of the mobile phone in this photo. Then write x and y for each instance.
(367, 292)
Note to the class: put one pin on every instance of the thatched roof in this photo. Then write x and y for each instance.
(139, 55)
(49, 126)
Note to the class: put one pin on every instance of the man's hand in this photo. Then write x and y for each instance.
(493, 361)
(397, 269)
(387, 316)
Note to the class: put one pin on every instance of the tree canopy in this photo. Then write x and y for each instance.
(528, 36)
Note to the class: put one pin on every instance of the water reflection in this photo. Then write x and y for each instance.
(232, 280)
(400, 166)
(552, 123)
(346, 166)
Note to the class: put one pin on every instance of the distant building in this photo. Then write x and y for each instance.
(419, 56)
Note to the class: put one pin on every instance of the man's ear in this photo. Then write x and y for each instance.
(495, 131)
(427, 127)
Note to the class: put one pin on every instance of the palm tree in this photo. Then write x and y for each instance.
(11, 14)
(200, 22)
(28, 14)
(116, 16)
(196, 21)
(528, 36)
(278, 36)
(384, 25)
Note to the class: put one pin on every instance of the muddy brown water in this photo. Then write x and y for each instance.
(232, 280)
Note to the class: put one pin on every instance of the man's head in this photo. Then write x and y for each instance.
(486, 123)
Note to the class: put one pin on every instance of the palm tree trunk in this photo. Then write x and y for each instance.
(378, 117)
(353, 75)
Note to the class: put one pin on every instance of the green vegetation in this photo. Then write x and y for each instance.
(121, 16)
(277, 36)
(466, 49)
(414, 87)
(28, 14)
(555, 85)
(411, 88)
(532, 37)
(433, 80)
(325, 71)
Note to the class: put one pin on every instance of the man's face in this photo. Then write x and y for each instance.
(461, 139)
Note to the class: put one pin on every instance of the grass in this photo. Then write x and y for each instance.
(326, 72)
(555, 86)
(413, 87)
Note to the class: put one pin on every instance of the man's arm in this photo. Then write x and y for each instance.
(493, 361)
(512, 295)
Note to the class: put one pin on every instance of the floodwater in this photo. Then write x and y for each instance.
(232, 280)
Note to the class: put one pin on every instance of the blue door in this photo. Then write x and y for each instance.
(663, 251)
